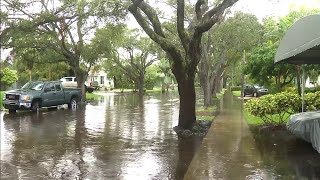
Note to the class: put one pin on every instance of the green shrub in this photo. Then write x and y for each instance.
(236, 88)
(291, 90)
(7, 78)
(276, 108)
(311, 90)
(312, 101)
(278, 105)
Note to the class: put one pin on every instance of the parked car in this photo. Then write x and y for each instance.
(254, 90)
(72, 82)
(37, 94)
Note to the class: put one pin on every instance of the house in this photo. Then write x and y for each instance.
(310, 83)
(102, 78)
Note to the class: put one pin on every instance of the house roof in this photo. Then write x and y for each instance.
(301, 43)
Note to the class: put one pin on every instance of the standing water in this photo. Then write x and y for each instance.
(116, 137)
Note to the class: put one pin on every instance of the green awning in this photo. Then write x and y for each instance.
(301, 43)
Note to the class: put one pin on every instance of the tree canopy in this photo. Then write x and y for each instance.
(62, 27)
(260, 66)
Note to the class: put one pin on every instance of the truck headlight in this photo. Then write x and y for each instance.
(25, 97)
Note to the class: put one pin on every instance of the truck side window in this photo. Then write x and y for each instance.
(68, 79)
(58, 87)
(49, 87)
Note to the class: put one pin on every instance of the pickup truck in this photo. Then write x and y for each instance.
(72, 82)
(37, 94)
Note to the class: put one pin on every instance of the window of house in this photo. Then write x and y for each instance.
(101, 79)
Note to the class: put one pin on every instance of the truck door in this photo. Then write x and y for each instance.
(59, 94)
(49, 95)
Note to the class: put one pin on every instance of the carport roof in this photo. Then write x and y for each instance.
(301, 43)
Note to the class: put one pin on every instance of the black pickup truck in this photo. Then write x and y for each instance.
(37, 94)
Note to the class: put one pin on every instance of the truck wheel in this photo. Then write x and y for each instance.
(12, 111)
(73, 103)
(35, 106)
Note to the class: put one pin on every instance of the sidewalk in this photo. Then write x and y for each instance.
(228, 151)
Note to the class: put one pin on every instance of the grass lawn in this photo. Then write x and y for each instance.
(92, 96)
(236, 93)
(205, 113)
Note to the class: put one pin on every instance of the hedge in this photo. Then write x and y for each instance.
(281, 105)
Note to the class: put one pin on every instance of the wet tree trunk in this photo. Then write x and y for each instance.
(141, 85)
(187, 115)
(205, 72)
(207, 87)
(216, 85)
(81, 78)
(185, 58)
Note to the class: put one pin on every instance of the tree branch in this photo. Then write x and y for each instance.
(183, 35)
(213, 15)
(151, 14)
(198, 9)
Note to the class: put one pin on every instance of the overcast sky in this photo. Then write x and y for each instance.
(260, 8)
(263, 8)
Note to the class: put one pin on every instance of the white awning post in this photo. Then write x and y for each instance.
(303, 86)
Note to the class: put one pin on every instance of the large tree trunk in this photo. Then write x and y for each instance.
(216, 81)
(187, 115)
(81, 78)
(207, 95)
(141, 86)
(204, 70)
(205, 83)
(30, 75)
(184, 63)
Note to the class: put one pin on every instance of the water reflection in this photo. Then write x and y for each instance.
(231, 151)
(287, 156)
(116, 137)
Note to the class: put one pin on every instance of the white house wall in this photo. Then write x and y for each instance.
(308, 84)
(97, 77)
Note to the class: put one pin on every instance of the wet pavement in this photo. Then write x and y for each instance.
(117, 137)
(120, 137)
(231, 151)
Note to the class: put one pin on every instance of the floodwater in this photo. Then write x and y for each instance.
(120, 137)
(231, 151)
(116, 137)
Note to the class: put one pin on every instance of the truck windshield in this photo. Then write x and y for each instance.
(33, 86)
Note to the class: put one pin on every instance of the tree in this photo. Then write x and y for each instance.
(166, 75)
(7, 77)
(262, 70)
(261, 67)
(132, 55)
(185, 57)
(222, 47)
(61, 27)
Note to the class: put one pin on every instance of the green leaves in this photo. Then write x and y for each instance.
(8, 77)
(277, 105)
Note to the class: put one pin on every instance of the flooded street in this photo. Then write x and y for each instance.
(118, 137)
(232, 151)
